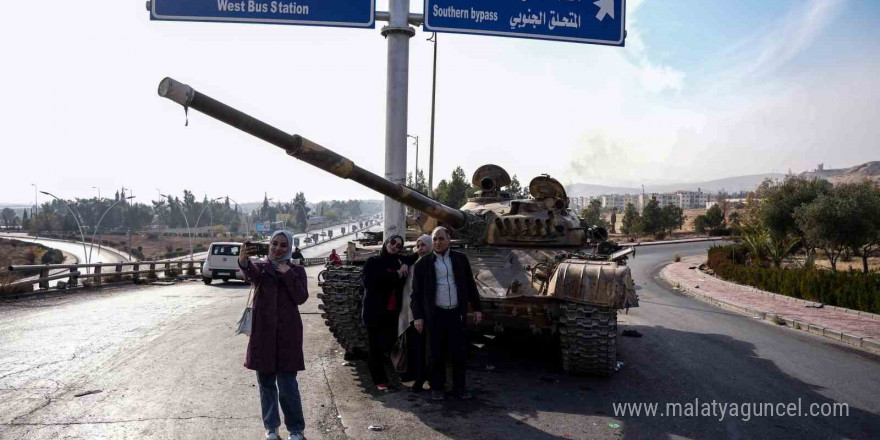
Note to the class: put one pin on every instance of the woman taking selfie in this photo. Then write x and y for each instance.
(384, 276)
(275, 347)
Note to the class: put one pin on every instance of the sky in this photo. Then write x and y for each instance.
(702, 90)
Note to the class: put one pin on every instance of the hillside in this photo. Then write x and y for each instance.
(729, 184)
(866, 171)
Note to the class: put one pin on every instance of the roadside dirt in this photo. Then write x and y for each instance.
(15, 253)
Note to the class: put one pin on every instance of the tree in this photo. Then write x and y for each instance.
(453, 193)
(830, 223)
(779, 202)
(301, 212)
(700, 224)
(592, 214)
(722, 200)
(861, 218)
(652, 220)
(672, 217)
(714, 218)
(516, 189)
(8, 216)
(631, 220)
(420, 184)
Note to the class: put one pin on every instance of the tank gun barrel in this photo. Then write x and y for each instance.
(309, 152)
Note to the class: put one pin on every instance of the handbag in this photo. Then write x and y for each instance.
(246, 322)
(398, 354)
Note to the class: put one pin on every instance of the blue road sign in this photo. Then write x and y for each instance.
(587, 21)
(344, 13)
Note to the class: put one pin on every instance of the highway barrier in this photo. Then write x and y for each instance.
(78, 275)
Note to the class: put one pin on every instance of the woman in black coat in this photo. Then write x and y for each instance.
(384, 276)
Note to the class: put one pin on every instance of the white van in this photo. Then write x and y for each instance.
(222, 262)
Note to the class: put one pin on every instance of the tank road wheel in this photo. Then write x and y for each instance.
(588, 339)
(343, 290)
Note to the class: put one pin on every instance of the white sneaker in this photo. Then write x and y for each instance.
(271, 435)
(296, 436)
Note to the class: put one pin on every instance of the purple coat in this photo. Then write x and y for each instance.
(276, 339)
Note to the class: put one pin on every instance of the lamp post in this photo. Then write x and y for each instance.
(99, 191)
(416, 174)
(75, 218)
(36, 205)
(246, 226)
(182, 212)
(204, 208)
(98, 225)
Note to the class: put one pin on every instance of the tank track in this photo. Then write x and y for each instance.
(343, 290)
(588, 339)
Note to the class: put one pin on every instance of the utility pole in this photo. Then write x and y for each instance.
(433, 101)
(397, 32)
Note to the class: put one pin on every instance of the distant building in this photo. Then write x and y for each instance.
(692, 199)
(618, 201)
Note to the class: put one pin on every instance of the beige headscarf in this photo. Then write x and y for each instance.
(406, 316)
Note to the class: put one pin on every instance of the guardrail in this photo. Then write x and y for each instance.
(168, 268)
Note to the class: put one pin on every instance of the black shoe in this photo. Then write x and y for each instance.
(437, 395)
(417, 387)
(464, 395)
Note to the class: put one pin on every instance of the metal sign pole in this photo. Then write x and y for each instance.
(398, 32)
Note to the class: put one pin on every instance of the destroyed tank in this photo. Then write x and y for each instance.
(536, 265)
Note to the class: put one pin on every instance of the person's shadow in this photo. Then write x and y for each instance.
(521, 392)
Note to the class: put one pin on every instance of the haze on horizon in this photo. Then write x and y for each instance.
(702, 90)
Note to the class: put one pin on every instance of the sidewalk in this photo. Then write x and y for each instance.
(859, 329)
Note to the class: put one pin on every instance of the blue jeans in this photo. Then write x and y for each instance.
(283, 385)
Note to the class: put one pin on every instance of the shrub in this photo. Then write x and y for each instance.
(660, 235)
(152, 236)
(853, 289)
(676, 258)
(30, 256)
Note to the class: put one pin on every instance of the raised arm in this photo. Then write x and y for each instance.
(248, 268)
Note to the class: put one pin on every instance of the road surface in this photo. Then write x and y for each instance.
(162, 362)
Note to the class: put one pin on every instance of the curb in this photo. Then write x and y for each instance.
(865, 344)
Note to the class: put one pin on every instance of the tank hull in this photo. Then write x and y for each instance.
(575, 301)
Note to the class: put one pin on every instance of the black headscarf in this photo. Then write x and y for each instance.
(384, 252)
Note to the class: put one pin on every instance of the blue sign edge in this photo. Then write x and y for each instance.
(371, 24)
(621, 43)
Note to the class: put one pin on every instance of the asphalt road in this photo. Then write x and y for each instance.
(162, 362)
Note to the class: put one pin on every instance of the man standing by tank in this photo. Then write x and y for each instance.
(443, 287)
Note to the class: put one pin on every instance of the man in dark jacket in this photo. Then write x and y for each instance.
(443, 286)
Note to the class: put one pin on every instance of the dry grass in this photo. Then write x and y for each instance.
(15, 255)
(157, 249)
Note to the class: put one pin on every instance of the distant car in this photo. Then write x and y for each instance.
(222, 263)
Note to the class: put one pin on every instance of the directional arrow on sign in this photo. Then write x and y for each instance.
(606, 7)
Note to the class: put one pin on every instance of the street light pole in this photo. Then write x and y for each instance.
(36, 205)
(182, 212)
(416, 175)
(246, 226)
(95, 232)
(99, 191)
(75, 218)
(204, 208)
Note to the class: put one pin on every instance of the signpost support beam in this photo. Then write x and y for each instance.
(398, 32)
